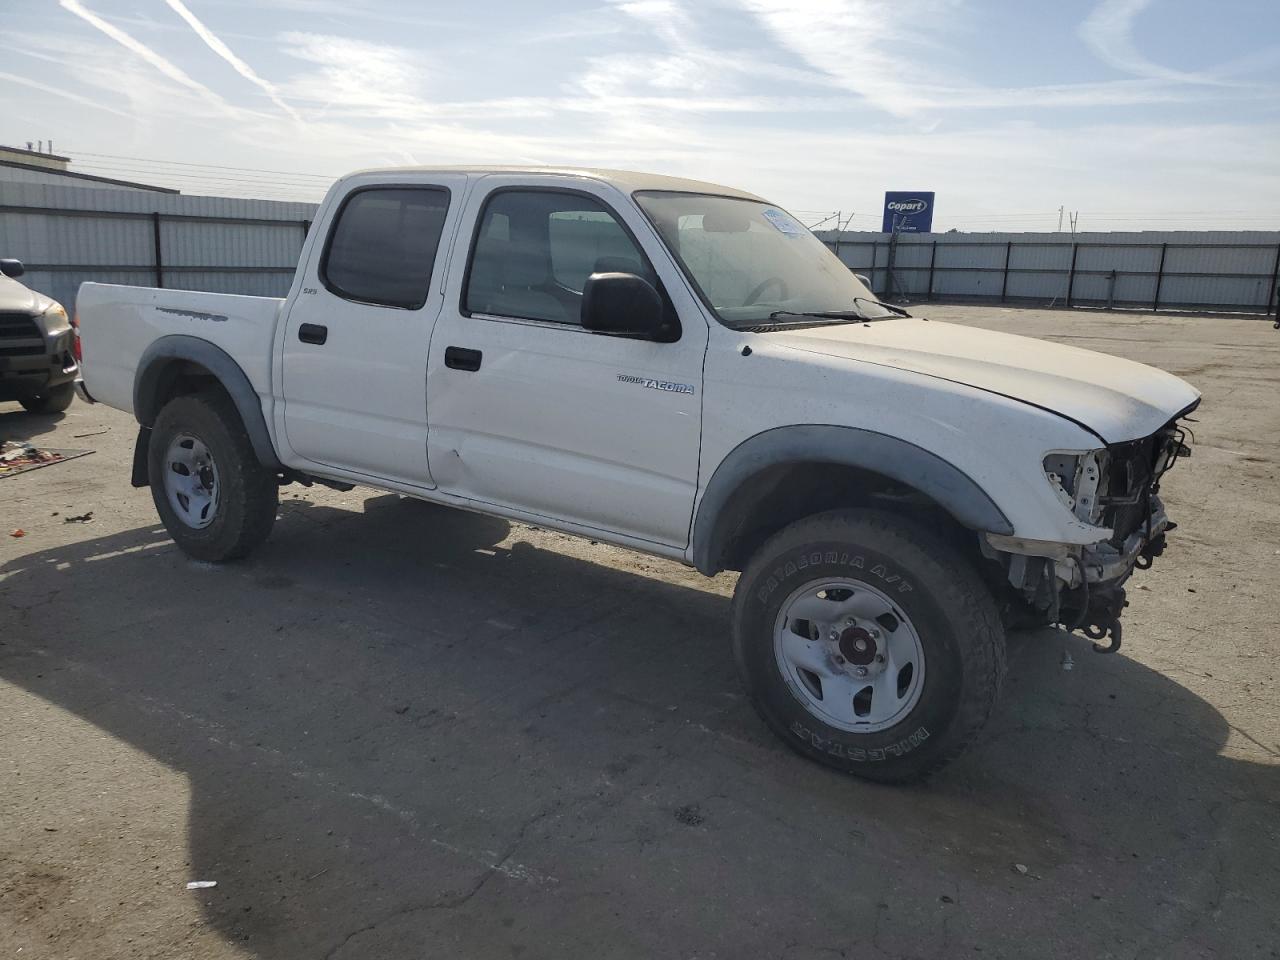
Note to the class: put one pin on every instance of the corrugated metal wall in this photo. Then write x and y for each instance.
(1207, 270)
(67, 235)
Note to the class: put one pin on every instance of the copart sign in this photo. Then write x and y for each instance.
(908, 212)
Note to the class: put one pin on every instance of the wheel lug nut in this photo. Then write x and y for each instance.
(879, 658)
(839, 659)
(861, 671)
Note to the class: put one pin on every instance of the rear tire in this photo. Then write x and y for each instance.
(215, 498)
(867, 644)
(52, 400)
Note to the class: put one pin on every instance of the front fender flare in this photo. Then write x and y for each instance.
(149, 379)
(900, 460)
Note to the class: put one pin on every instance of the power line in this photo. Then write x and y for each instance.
(155, 175)
(211, 166)
(248, 178)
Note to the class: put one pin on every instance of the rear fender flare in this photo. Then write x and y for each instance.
(147, 398)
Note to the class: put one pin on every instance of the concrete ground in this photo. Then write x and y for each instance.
(403, 732)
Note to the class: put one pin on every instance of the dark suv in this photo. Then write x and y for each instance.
(38, 350)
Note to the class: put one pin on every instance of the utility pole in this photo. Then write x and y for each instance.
(892, 282)
(1061, 209)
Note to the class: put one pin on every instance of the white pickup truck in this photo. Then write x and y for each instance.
(679, 368)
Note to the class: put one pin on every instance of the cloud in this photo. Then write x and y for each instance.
(873, 48)
(1108, 32)
(374, 78)
(222, 50)
(879, 50)
(58, 92)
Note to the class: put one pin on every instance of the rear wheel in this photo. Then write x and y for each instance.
(213, 495)
(867, 644)
(51, 400)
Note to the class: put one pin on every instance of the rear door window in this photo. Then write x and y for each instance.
(382, 246)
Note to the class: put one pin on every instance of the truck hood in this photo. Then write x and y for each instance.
(16, 298)
(1116, 399)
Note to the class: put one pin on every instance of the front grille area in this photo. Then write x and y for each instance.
(20, 336)
(1133, 475)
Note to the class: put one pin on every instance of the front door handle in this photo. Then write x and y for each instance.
(461, 358)
(313, 333)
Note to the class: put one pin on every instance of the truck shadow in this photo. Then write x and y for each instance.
(17, 424)
(412, 727)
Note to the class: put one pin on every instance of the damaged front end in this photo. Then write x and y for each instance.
(1115, 488)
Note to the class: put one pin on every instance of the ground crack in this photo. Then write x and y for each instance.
(457, 900)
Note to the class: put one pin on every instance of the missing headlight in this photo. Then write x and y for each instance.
(1075, 478)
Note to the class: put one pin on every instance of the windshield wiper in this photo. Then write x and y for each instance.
(836, 315)
(880, 303)
(808, 317)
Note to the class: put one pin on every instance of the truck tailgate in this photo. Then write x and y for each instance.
(118, 323)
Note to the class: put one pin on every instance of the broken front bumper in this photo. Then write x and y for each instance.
(1104, 562)
(1096, 600)
(1082, 588)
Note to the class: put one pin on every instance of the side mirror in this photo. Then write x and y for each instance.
(12, 268)
(621, 305)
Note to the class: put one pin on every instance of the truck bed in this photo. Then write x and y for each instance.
(118, 323)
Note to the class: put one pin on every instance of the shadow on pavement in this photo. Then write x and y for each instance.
(409, 732)
(17, 424)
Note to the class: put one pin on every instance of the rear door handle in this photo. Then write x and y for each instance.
(461, 358)
(313, 333)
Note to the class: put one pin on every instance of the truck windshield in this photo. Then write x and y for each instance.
(755, 265)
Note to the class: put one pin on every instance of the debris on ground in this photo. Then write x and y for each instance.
(18, 456)
(201, 884)
(689, 815)
(82, 518)
(1067, 662)
(18, 533)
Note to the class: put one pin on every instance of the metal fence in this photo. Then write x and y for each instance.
(1183, 270)
(67, 235)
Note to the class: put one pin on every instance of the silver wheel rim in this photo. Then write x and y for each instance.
(191, 481)
(849, 655)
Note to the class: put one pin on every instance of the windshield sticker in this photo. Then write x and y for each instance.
(783, 222)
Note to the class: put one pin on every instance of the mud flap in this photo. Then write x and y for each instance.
(139, 476)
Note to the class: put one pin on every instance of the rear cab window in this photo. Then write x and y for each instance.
(382, 245)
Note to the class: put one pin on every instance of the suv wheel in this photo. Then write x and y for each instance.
(868, 644)
(214, 497)
(51, 400)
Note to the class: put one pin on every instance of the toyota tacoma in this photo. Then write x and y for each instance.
(682, 369)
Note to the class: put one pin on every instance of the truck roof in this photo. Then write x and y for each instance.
(625, 180)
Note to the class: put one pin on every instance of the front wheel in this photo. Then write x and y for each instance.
(51, 399)
(214, 497)
(868, 644)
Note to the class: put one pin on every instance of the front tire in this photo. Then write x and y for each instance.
(868, 644)
(51, 400)
(213, 495)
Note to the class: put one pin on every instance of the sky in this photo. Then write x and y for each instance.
(1138, 114)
